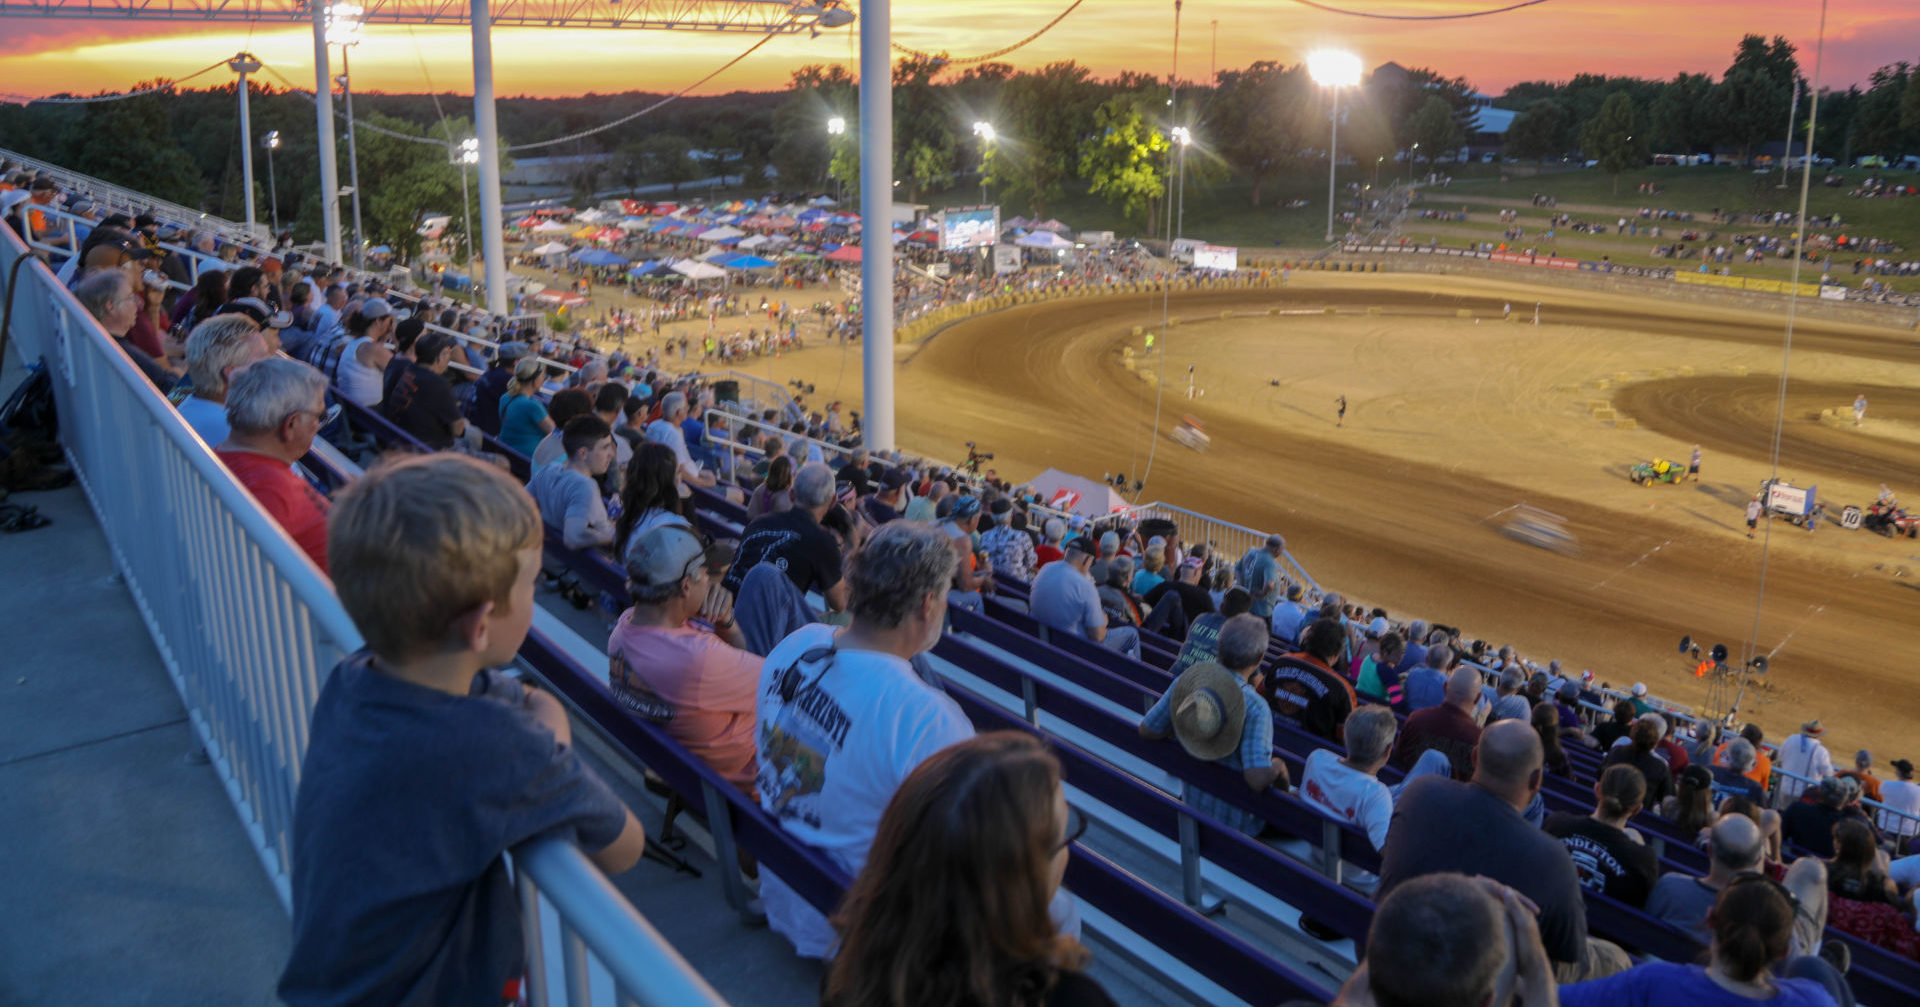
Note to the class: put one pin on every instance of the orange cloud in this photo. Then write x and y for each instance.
(1550, 41)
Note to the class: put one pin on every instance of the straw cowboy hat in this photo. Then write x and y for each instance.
(1208, 711)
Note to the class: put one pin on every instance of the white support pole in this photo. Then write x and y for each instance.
(353, 161)
(876, 218)
(486, 125)
(243, 65)
(1333, 159)
(323, 113)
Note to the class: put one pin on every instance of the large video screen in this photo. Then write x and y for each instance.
(969, 227)
(1221, 257)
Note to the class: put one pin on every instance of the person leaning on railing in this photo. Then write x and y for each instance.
(952, 907)
(425, 768)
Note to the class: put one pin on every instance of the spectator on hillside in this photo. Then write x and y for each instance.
(1216, 713)
(421, 400)
(361, 367)
(678, 659)
(1736, 849)
(1053, 534)
(423, 766)
(569, 494)
(667, 430)
(523, 418)
(794, 541)
(1803, 757)
(110, 298)
(647, 497)
(274, 409)
(1064, 599)
(1749, 928)
(843, 718)
(1007, 544)
(1477, 828)
(775, 494)
(1259, 572)
(1640, 752)
(952, 906)
(562, 407)
(1862, 773)
(1448, 940)
(1426, 685)
(1448, 728)
(1348, 789)
(217, 349)
(1303, 688)
(1608, 854)
(1203, 634)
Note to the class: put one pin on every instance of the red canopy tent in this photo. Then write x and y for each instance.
(845, 253)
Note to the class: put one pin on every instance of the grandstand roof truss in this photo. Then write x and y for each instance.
(760, 17)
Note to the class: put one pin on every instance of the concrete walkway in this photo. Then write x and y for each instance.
(129, 879)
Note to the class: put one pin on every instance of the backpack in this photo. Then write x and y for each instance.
(30, 456)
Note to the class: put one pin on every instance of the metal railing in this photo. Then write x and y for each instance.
(1230, 540)
(248, 628)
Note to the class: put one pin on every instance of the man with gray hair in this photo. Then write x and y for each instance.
(1509, 702)
(1731, 780)
(1259, 573)
(216, 349)
(1240, 734)
(842, 718)
(1426, 685)
(1348, 789)
(275, 408)
(1052, 534)
(793, 540)
(666, 430)
(1064, 599)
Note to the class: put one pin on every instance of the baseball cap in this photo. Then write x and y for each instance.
(664, 556)
(513, 350)
(1001, 506)
(1378, 627)
(894, 478)
(1639, 688)
(966, 507)
(375, 307)
(1080, 544)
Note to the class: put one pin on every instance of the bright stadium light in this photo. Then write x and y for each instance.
(273, 139)
(836, 126)
(985, 131)
(343, 23)
(470, 151)
(1333, 69)
(1182, 136)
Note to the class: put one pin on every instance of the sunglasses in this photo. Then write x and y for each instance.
(1076, 827)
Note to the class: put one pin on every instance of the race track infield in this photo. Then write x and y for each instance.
(1453, 420)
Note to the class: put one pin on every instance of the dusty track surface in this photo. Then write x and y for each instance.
(1454, 420)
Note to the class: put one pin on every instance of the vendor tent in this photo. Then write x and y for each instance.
(1076, 494)
(694, 270)
(720, 233)
(757, 241)
(845, 253)
(749, 262)
(551, 248)
(551, 227)
(1044, 239)
(600, 257)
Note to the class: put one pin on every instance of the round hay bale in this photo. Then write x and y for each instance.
(1373, 310)
(1625, 423)
(1463, 313)
(1603, 384)
(1685, 372)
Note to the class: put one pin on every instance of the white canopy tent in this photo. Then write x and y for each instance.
(551, 227)
(1076, 494)
(694, 270)
(721, 233)
(1045, 240)
(551, 248)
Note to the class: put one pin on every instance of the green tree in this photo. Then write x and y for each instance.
(1683, 117)
(1538, 132)
(1125, 160)
(402, 182)
(924, 144)
(1258, 120)
(800, 149)
(1434, 128)
(1614, 137)
(1754, 95)
(669, 159)
(1049, 112)
(129, 142)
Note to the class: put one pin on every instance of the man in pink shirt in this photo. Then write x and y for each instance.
(677, 658)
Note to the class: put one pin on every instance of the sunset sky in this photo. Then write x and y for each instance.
(1655, 38)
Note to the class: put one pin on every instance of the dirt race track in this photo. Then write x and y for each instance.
(1451, 421)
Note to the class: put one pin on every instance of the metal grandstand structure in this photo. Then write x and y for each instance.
(775, 17)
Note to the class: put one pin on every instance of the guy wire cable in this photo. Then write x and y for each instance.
(1166, 292)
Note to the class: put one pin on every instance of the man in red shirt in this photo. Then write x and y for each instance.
(1448, 728)
(274, 409)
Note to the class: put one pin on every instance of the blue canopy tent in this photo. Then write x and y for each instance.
(600, 257)
(749, 262)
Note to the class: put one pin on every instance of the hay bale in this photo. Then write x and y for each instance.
(1657, 372)
(1603, 414)
(1463, 313)
(1599, 404)
(1139, 330)
(1603, 384)
(1622, 376)
(1226, 314)
(1625, 423)
(1373, 311)
(1685, 372)
(1330, 311)
(1740, 372)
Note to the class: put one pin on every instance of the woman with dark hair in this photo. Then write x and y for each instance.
(774, 495)
(951, 909)
(209, 292)
(1752, 924)
(1641, 755)
(1858, 869)
(1690, 808)
(1613, 730)
(1546, 723)
(649, 498)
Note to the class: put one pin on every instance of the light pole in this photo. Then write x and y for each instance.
(1793, 112)
(1184, 138)
(836, 127)
(244, 64)
(272, 143)
(344, 31)
(469, 154)
(984, 130)
(1333, 69)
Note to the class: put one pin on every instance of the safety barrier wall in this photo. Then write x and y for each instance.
(248, 627)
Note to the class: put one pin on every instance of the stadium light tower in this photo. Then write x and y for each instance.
(468, 155)
(244, 64)
(1333, 69)
(985, 131)
(272, 143)
(343, 30)
(1183, 138)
